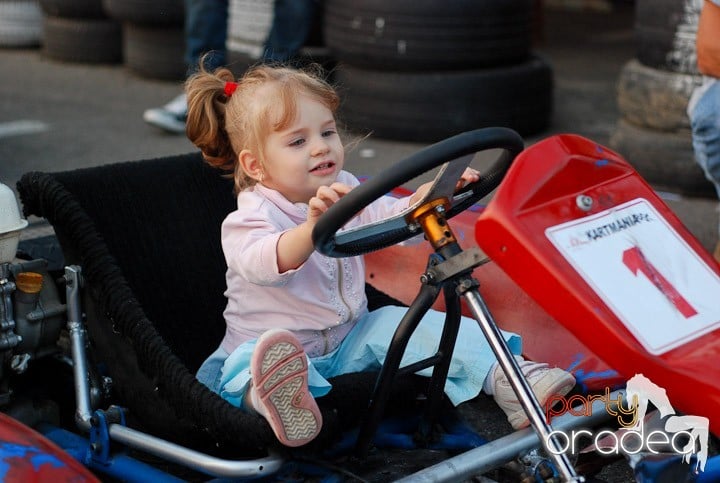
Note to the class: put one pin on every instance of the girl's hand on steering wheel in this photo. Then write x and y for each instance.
(470, 175)
(324, 198)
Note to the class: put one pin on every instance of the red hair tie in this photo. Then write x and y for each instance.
(230, 88)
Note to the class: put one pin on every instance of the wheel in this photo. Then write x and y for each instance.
(86, 40)
(154, 52)
(455, 153)
(20, 24)
(665, 31)
(655, 98)
(73, 8)
(665, 159)
(249, 23)
(433, 105)
(158, 12)
(422, 35)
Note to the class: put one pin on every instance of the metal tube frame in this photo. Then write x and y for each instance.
(454, 285)
(456, 281)
(96, 423)
(493, 454)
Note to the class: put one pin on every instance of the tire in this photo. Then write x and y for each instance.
(88, 41)
(665, 159)
(20, 24)
(73, 8)
(665, 31)
(154, 52)
(430, 106)
(158, 12)
(654, 98)
(428, 35)
(249, 23)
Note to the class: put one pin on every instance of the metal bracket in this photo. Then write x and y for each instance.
(463, 262)
(100, 440)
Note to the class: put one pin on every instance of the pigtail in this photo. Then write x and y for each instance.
(205, 125)
(226, 117)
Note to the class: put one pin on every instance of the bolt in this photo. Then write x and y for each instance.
(584, 202)
(426, 278)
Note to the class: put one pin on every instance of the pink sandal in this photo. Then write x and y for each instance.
(280, 376)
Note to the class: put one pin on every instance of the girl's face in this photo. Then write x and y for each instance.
(306, 154)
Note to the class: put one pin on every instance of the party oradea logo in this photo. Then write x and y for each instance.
(655, 432)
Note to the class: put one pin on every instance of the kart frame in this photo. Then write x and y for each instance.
(104, 435)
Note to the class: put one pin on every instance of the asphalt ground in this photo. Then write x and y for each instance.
(58, 116)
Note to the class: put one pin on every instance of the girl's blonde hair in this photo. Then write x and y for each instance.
(222, 126)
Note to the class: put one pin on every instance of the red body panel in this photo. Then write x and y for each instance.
(27, 456)
(396, 271)
(539, 192)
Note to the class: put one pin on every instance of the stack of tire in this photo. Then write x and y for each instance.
(20, 24)
(425, 70)
(653, 132)
(80, 31)
(249, 22)
(153, 39)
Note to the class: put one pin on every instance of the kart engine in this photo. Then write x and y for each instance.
(32, 318)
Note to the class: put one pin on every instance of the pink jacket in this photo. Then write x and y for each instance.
(320, 301)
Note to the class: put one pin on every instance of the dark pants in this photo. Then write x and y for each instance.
(206, 31)
(291, 26)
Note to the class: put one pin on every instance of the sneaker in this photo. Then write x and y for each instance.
(170, 117)
(543, 380)
(280, 376)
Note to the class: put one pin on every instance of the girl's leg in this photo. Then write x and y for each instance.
(366, 346)
(546, 382)
(279, 388)
(211, 370)
(473, 367)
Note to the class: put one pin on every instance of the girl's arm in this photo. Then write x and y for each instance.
(295, 246)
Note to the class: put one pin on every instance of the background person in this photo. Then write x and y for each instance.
(206, 24)
(704, 104)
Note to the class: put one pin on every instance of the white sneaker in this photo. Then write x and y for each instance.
(170, 117)
(543, 380)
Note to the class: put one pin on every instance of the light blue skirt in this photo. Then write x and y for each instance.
(364, 349)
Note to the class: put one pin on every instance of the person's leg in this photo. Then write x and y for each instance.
(273, 377)
(705, 122)
(365, 348)
(473, 367)
(205, 33)
(279, 390)
(544, 380)
(292, 21)
(211, 369)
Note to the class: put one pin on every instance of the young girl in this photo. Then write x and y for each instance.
(295, 317)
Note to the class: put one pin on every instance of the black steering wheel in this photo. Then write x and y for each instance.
(455, 153)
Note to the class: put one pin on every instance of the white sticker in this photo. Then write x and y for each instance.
(646, 273)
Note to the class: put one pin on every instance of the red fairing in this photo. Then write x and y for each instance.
(26, 456)
(587, 238)
(396, 271)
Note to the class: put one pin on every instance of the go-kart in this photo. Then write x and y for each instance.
(573, 240)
